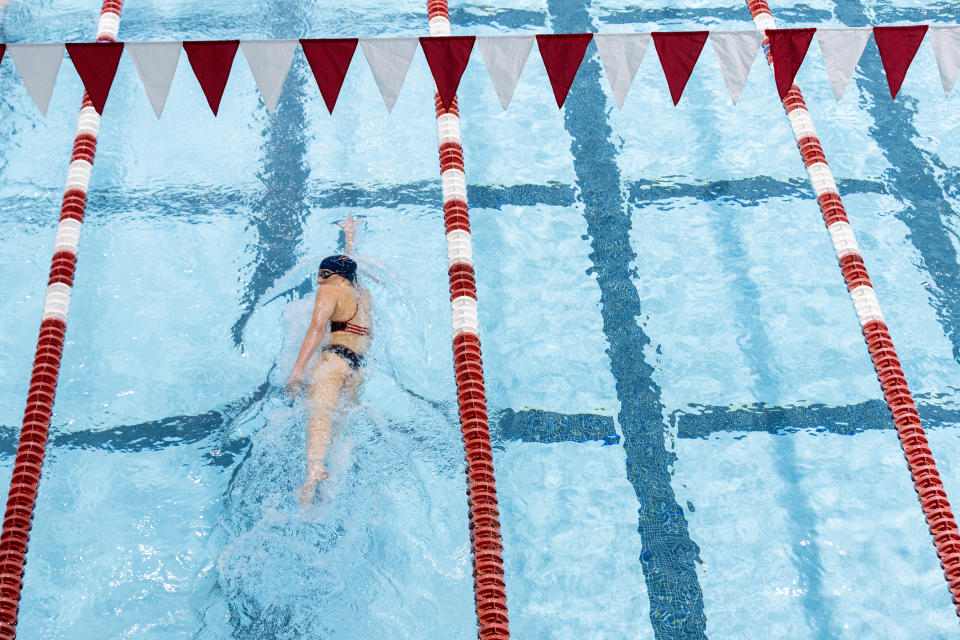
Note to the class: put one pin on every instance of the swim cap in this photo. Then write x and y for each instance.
(341, 265)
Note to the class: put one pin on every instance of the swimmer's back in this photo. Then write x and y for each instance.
(351, 319)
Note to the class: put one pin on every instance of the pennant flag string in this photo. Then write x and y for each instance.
(156, 62)
(211, 61)
(562, 54)
(389, 60)
(269, 62)
(447, 57)
(788, 47)
(621, 54)
(946, 49)
(38, 65)
(678, 52)
(898, 46)
(841, 50)
(504, 56)
(736, 51)
(96, 63)
(329, 60)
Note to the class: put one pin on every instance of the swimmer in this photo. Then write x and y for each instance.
(346, 306)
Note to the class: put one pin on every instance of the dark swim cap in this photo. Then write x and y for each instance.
(341, 265)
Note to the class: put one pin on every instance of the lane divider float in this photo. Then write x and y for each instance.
(28, 464)
(488, 580)
(923, 469)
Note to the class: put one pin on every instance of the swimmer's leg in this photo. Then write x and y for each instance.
(351, 389)
(323, 395)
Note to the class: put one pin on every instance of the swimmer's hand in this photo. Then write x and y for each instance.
(349, 229)
(293, 387)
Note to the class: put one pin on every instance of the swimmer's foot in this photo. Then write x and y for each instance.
(309, 488)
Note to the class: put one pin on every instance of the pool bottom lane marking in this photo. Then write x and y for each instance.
(490, 596)
(28, 464)
(923, 469)
(668, 554)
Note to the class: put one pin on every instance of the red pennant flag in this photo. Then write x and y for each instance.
(3, 48)
(788, 48)
(96, 62)
(211, 61)
(329, 60)
(448, 57)
(678, 52)
(898, 46)
(562, 54)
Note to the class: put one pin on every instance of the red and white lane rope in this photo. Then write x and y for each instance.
(46, 364)
(489, 587)
(926, 480)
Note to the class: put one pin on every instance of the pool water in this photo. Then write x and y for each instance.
(655, 277)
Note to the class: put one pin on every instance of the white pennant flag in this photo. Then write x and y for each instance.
(389, 60)
(736, 51)
(841, 49)
(269, 62)
(38, 65)
(505, 57)
(156, 62)
(621, 54)
(946, 48)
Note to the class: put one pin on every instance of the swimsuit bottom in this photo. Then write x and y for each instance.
(353, 358)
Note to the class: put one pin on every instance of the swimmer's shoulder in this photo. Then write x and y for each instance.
(347, 299)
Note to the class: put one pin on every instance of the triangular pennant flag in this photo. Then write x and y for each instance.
(898, 46)
(678, 52)
(788, 48)
(269, 62)
(329, 60)
(96, 63)
(38, 65)
(156, 62)
(505, 57)
(562, 54)
(389, 60)
(841, 49)
(621, 54)
(946, 48)
(448, 57)
(3, 48)
(211, 61)
(736, 51)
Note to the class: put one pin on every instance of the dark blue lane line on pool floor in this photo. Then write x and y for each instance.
(185, 204)
(668, 553)
(528, 425)
(702, 421)
(911, 178)
(536, 425)
(281, 210)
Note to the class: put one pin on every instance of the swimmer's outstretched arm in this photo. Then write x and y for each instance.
(323, 306)
(349, 233)
(349, 237)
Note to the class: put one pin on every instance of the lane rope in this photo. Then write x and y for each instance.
(485, 541)
(923, 469)
(46, 364)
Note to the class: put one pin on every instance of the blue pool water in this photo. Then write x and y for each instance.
(655, 273)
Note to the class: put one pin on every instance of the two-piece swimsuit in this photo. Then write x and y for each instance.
(353, 358)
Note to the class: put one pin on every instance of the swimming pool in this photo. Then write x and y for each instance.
(656, 273)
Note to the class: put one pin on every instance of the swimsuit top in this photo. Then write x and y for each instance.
(350, 327)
